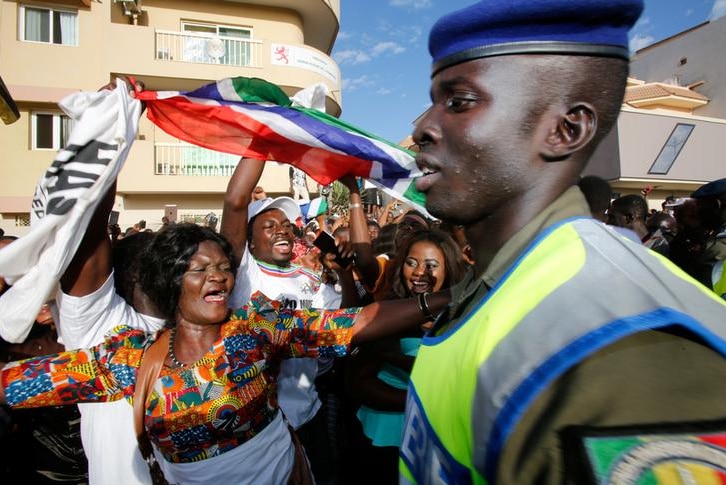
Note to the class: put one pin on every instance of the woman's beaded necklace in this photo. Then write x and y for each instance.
(172, 355)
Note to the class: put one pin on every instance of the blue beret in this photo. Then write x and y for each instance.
(505, 27)
(711, 189)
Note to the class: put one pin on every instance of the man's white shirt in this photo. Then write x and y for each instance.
(107, 429)
(295, 287)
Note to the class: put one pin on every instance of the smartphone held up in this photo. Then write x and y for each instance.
(326, 243)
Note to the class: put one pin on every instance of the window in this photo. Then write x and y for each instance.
(217, 44)
(671, 149)
(50, 131)
(47, 25)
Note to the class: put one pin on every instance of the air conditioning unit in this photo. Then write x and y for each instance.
(130, 6)
(132, 9)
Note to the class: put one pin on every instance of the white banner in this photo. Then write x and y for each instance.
(65, 198)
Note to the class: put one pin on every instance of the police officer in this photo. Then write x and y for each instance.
(570, 354)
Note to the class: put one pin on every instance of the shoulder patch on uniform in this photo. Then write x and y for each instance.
(681, 453)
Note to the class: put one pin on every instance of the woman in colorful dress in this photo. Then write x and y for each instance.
(211, 414)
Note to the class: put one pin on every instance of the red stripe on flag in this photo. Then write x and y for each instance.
(720, 441)
(223, 129)
(714, 439)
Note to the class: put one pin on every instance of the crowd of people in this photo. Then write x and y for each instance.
(525, 328)
(690, 231)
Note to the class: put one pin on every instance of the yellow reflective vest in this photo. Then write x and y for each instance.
(719, 278)
(576, 289)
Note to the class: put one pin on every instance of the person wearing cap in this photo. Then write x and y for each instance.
(668, 204)
(261, 235)
(569, 354)
(711, 199)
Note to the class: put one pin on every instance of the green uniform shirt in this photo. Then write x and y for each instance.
(570, 204)
(470, 290)
(649, 378)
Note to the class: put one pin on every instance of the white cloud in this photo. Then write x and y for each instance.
(417, 4)
(689, 12)
(360, 56)
(414, 33)
(363, 81)
(643, 25)
(351, 56)
(638, 41)
(383, 91)
(342, 35)
(404, 34)
(718, 9)
(385, 27)
(383, 47)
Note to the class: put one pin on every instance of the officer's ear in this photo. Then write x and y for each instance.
(572, 131)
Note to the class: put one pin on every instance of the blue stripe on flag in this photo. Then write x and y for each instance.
(208, 91)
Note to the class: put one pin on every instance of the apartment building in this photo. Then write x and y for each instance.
(669, 139)
(49, 49)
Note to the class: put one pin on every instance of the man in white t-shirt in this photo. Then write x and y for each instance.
(88, 307)
(261, 234)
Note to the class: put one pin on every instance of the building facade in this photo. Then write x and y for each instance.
(49, 49)
(670, 134)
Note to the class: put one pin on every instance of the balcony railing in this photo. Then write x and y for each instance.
(206, 49)
(191, 160)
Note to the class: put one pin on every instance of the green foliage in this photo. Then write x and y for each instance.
(338, 199)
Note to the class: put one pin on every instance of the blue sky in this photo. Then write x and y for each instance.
(382, 52)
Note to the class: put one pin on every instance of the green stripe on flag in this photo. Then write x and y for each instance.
(414, 195)
(256, 90)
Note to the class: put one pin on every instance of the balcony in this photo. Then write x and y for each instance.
(184, 159)
(175, 167)
(182, 60)
(320, 18)
(207, 49)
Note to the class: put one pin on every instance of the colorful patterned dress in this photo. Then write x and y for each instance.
(201, 410)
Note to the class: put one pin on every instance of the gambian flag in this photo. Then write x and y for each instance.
(254, 118)
(652, 458)
(311, 209)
